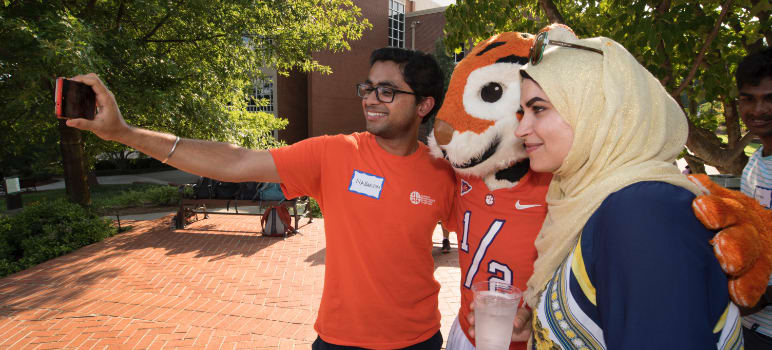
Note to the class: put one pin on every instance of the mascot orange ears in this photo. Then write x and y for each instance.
(743, 244)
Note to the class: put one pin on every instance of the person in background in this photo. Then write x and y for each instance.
(754, 83)
(445, 239)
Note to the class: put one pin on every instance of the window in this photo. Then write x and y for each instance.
(396, 24)
(258, 43)
(262, 92)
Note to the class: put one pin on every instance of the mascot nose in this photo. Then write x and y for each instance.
(443, 132)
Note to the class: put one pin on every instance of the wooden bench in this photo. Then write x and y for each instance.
(200, 206)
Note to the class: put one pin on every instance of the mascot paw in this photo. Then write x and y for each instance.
(737, 248)
(747, 289)
(743, 244)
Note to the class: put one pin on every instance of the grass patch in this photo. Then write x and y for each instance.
(749, 149)
(108, 197)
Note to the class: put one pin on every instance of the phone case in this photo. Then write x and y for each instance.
(74, 100)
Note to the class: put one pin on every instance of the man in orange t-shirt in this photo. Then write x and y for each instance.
(380, 191)
(380, 210)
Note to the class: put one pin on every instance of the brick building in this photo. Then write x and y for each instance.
(317, 104)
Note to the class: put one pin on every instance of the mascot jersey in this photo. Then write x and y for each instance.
(496, 231)
(380, 211)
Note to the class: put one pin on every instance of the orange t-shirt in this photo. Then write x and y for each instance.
(379, 214)
(496, 232)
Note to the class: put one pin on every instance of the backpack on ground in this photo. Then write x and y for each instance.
(276, 221)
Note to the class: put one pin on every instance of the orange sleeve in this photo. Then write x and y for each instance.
(300, 167)
(453, 221)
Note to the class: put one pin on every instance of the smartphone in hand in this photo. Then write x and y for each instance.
(74, 99)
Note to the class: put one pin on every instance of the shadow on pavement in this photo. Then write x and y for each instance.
(204, 240)
(55, 283)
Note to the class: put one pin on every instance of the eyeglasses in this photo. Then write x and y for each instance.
(541, 42)
(384, 94)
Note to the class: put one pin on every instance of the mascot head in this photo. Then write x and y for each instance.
(475, 128)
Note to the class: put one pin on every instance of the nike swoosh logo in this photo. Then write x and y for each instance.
(519, 206)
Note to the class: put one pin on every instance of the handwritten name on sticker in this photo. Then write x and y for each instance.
(366, 184)
(764, 196)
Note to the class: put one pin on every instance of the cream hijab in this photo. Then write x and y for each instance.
(627, 129)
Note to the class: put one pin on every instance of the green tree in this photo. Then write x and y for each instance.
(181, 66)
(692, 47)
(445, 59)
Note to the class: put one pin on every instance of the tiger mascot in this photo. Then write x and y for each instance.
(500, 204)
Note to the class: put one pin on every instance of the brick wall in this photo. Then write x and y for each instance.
(428, 28)
(291, 103)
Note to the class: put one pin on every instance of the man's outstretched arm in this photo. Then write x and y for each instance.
(215, 160)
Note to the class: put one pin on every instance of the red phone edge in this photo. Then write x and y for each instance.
(58, 97)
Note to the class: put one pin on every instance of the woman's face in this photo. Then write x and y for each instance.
(547, 136)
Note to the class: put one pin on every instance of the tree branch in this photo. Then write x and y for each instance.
(732, 119)
(184, 40)
(552, 12)
(701, 55)
(696, 164)
(663, 7)
(119, 15)
(163, 21)
(739, 147)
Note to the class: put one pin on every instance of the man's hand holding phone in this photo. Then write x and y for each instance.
(108, 123)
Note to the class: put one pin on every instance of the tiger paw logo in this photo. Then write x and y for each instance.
(417, 198)
(465, 187)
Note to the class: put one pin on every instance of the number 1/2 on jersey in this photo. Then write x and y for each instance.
(501, 271)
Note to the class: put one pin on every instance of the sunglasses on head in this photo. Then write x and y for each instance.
(541, 42)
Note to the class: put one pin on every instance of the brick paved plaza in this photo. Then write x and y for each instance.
(217, 284)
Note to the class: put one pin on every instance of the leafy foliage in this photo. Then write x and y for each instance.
(444, 60)
(45, 230)
(313, 208)
(667, 37)
(151, 195)
(109, 197)
(176, 66)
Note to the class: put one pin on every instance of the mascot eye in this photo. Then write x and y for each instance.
(491, 92)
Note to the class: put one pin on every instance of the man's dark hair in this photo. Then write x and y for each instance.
(753, 68)
(420, 71)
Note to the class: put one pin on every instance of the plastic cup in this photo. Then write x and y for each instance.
(495, 305)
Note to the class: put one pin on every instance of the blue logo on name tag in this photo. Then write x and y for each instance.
(366, 184)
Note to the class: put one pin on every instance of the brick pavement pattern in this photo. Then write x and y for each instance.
(217, 284)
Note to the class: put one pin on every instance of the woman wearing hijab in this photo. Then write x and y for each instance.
(623, 263)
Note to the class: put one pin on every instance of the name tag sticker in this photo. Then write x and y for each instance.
(366, 184)
(764, 196)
